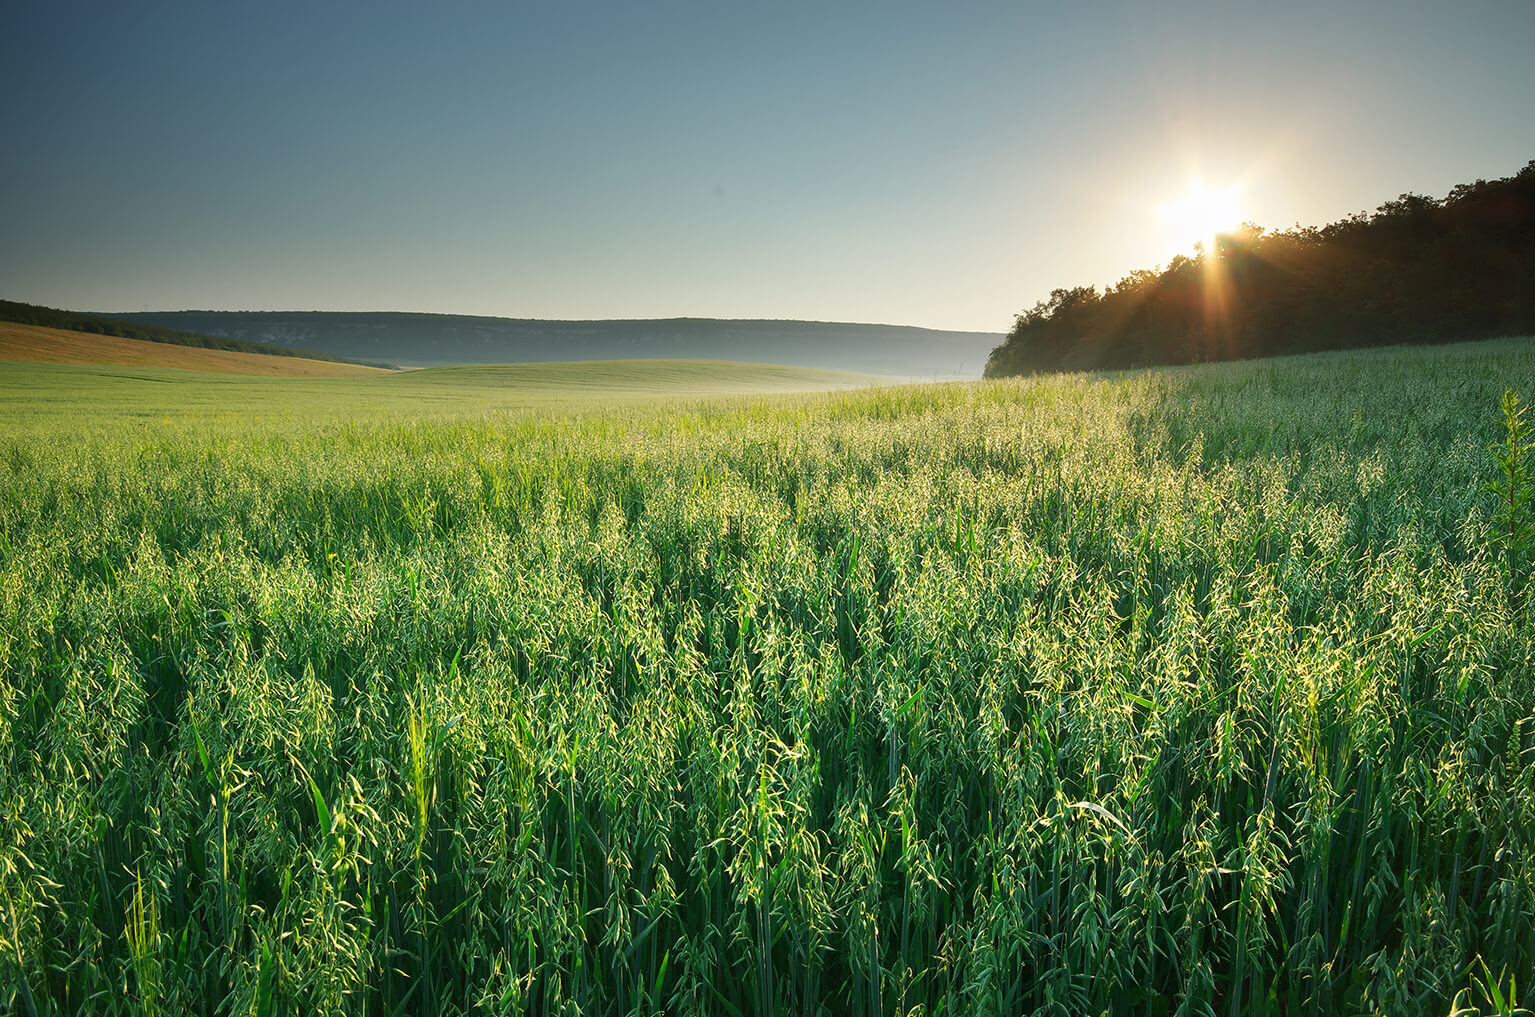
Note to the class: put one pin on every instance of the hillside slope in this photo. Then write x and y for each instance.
(40, 344)
(43, 398)
(95, 324)
(430, 340)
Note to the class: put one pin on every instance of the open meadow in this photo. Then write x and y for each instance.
(1203, 690)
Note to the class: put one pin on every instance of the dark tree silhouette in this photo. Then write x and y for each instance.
(1417, 270)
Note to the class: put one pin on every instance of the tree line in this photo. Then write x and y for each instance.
(1417, 270)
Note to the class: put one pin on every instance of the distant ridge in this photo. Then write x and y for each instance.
(75, 321)
(434, 340)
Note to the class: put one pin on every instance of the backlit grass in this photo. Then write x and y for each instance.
(1192, 691)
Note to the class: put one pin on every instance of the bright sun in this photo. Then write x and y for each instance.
(1201, 213)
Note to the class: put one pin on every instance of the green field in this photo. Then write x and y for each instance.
(1204, 690)
(39, 398)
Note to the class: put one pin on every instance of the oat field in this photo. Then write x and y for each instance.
(1204, 690)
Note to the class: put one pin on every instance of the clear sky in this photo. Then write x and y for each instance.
(937, 164)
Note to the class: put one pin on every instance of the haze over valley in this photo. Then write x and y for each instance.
(436, 340)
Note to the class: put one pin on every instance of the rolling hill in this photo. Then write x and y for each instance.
(41, 344)
(433, 340)
(42, 397)
(75, 321)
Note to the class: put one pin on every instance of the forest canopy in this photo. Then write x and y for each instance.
(1417, 270)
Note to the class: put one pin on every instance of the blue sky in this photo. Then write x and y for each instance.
(931, 164)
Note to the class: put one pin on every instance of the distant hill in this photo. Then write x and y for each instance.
(433, 340)
(43, 345)
(96, 324)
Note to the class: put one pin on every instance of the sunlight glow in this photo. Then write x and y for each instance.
(1199, 215)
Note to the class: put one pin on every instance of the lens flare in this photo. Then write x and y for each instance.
(1201, 213)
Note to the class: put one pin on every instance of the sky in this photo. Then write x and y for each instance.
(934, 164)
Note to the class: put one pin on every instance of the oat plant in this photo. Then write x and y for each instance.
(1514, 487)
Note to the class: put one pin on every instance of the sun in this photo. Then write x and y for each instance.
(1199, 215)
